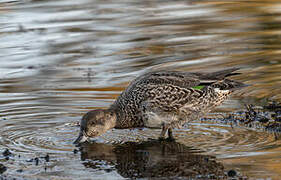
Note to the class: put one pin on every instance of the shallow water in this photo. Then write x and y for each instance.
(59, 59)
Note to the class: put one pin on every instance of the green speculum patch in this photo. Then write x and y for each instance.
(198, 87)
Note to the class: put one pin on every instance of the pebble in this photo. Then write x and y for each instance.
(75, 151)
(2, 168)
(231, 173)
(6, 153)
(47, 158)
(19, 170)
(36, 161)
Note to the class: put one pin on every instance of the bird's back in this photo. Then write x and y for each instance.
(172, 92)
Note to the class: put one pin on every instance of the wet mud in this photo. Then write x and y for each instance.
(266, 117)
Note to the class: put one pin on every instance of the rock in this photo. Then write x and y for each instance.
(47, 158)
(231, 173)
(6, 153)
(36, 161)
(2, 168)
(75, 151)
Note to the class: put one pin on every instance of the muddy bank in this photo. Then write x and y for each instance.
(266, 117)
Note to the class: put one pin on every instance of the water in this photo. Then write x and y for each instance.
(60, 59)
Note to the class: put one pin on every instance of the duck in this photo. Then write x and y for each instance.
(161, 99)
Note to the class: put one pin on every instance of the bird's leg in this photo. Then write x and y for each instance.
(170, 135)
(163, 132)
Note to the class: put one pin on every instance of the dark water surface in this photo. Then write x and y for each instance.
(59, 59)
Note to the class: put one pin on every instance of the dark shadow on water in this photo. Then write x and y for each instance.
(159, 159)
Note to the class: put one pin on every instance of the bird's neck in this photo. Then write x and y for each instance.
(119, 116)
(111, 122)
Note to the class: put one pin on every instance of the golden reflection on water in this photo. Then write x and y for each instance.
(264, 165)
(60, 59)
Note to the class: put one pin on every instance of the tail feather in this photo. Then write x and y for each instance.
(219, 75)
(223, 73)
(218, 80)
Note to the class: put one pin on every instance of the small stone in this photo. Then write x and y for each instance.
(107, 170)
(30, 160)
(2, 168)
(47, 158)
(75, 151)
(30, 67)
(19, 170)
(6, 152)
(231, 173)
(36, 161)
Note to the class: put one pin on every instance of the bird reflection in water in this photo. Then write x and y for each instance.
(159, 159)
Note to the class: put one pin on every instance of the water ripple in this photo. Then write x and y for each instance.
(60, 59)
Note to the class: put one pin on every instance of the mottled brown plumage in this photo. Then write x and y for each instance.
(164, 99)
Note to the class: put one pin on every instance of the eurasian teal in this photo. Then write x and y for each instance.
(162, 99)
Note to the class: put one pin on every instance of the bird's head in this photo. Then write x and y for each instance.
(95, 123)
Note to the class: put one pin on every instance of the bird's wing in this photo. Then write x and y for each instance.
(184, 79)
(170, 90)
(169, 98)
(218, 75)
(181, 79)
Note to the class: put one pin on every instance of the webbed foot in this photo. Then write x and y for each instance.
(170, 139)
(161, 139)
(170, 135)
